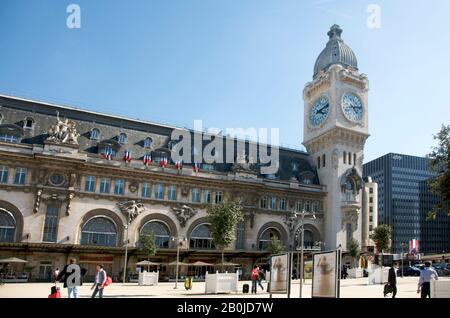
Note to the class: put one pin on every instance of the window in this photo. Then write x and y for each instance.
(104, 149)
(370, 200)
(172, 193)
(4, 174)
(318, 162)
(273, 203)
(159, 191)
(218, 198)
(308, 206)
(349, 158)
(119, 186)
(7, 226)
(324, 160)
(201, 237)
(240, 235)
(148, 142)
(145, 190)
(315, 207)
(207, 196)
(51, 223)
(99, 231)
(1, 118)
(20, 176)
(28, 123)
(345, 157)
(196, 195)
(122, 139)
(268, 235)
(89, 184)
(95, 134)
(159, 230)
(282, 203)
(371, 219)
(371, 209)
(105, 185)
(9, 138)
(354, 159)
(263, 202)
(299, 205)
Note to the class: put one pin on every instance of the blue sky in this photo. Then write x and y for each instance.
(231, 63)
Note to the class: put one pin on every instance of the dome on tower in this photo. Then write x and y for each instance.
(336, 52)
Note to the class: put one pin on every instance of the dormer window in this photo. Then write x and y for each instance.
(148, 142)
(95, 134)
(122, 139)
(28, 123)
(171, 144)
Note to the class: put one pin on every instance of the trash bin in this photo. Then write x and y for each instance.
(188, 283)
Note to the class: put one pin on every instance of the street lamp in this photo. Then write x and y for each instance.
(403, 245)
(177, 239)
(126, 247)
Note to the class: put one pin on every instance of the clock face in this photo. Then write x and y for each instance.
(352, 107)
(319, 112)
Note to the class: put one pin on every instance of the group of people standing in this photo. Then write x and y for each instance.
(423, 287)
(72, 277)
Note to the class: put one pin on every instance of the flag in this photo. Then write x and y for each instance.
(147, 159)
(127, 156)
(413, 246)
(179, 164)
(108, 153)
(195, 167)
(163, 162)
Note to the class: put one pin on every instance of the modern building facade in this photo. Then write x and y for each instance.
(76, 183)
(404, 200)
(370, 213)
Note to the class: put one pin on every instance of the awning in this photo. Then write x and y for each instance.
(201, 264)
(147, 263)
(228, 264)
(12, 260)
(174, 263)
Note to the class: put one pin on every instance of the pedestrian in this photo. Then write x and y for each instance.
(55, 275)
(424, 281)
(72, 276)
(261, 276)
(254, 277)
(99, 283)
(392, 278)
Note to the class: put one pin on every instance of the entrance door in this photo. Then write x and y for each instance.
(45, 272)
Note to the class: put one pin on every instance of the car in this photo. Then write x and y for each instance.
(411, 271)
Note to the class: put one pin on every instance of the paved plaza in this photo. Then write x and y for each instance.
(350, 288)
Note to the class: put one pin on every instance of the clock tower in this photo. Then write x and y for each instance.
(335, 131)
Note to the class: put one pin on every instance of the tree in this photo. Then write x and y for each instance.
(382, 238)
(275, 246)
(354, 250)
(440, 163)
(148, 246)
(223, 218)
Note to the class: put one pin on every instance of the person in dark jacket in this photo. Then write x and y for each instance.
(72, 276)
(99, 283)
(261, 277)
(392, 279)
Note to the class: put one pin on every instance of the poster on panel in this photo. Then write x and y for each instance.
(279, 274)
(325, 274)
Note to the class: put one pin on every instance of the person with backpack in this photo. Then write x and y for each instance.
(261, 277)
(99, 283)
(72, 276)
(254, 277)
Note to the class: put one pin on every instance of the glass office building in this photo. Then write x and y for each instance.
(404, 200)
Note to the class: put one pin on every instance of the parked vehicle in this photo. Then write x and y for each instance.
(410, 271)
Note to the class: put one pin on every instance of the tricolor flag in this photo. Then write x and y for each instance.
(414, 246)
(179, 164)
(108, 153)
(147, 159)
(196, 167)
(127, 156)
(163, 162)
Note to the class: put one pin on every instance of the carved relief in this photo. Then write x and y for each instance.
(69, 202)
(131, 209)
(63, 132)
(37, 202)
(183, 214)
(134, 186)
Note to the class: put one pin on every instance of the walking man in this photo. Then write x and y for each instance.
(261, 276)
(426, 276)
(392, 279)
(99, 283)
(71, 275)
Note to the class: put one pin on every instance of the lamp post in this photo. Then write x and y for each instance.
(126, 247)
(403, 245)
(177, 239)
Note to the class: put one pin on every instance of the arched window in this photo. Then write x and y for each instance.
(95, 134)
(148, 142)
(345, 157)
(308, 239)
(160, 230)
(201, 237)
(267, 236)
(7, 226)
(99, 231)
(122, 139)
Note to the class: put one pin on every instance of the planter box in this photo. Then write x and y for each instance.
(378, 275)
(148, 278)
(221, 283)
(355, 273)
